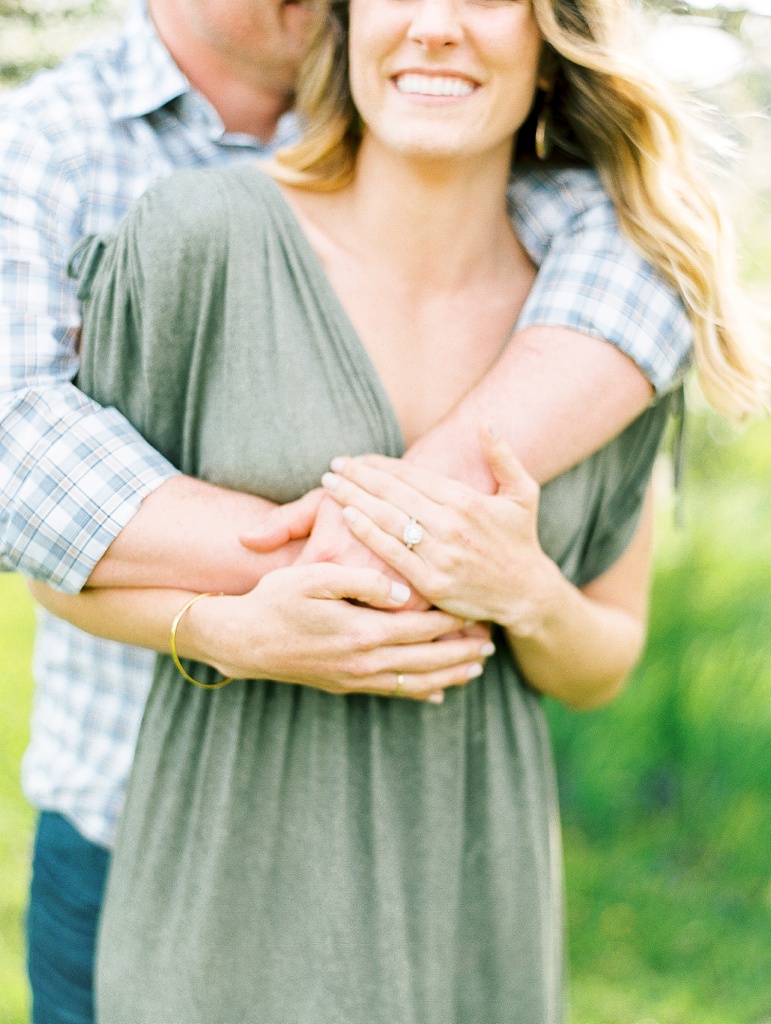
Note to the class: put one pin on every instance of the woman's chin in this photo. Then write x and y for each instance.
(430, 148)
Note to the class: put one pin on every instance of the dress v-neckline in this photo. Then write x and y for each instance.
(356, 348)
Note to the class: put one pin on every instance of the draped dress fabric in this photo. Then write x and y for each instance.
(287, 856)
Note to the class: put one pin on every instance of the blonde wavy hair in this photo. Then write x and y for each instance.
(604, 109)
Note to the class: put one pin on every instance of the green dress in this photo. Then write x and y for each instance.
(286, 856)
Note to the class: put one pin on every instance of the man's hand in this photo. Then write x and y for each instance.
(293, 521)
(330, 539)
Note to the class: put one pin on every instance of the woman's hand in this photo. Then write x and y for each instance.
(298, 626)
(479, 558)
(319, 519)
(479, 555)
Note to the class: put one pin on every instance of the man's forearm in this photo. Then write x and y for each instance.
(185, 535)
(555, 395)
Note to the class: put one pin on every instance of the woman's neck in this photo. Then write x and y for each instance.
(428, 269)
(438, 224)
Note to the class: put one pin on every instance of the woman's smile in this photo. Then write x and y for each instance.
(434, 84)
(443, 78)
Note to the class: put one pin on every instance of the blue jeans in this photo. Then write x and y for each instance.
(68, 877)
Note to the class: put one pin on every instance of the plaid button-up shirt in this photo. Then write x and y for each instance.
(78, 146)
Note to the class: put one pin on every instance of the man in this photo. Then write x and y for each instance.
(85, 499)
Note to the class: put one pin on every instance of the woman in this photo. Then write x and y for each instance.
(286, 854)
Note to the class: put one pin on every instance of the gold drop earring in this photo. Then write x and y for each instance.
(543, 139)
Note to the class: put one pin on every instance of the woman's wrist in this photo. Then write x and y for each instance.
(537, 608)
(207, 633)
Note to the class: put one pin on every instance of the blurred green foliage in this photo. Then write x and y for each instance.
(36, 34)
(692, 727)
(665, 792)
(16, 624)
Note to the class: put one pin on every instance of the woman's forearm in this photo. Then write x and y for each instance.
(579, 651)
(321, 626)
(141, 617)
(579, 646)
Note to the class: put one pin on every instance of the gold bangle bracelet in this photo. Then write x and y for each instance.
(173, 645)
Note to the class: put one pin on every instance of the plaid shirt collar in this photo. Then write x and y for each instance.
(145, 78)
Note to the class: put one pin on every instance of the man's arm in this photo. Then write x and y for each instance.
(600, 333)
(80, 487)
(71, 474)
(556, 396)
(186, 535)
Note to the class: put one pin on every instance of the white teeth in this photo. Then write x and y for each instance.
(433, 85)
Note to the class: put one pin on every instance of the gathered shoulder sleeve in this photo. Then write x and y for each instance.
(148, 291)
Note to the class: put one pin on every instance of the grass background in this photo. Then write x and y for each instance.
(665, 793)
(16, 625)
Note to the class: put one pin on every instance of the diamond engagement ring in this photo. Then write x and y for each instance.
(399, 684)
(413, 534)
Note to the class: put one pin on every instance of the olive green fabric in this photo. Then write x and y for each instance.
(287, 856)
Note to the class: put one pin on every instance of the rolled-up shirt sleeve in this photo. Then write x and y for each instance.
(591, 279)
(72, 474)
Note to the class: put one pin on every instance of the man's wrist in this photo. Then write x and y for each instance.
(461, 461)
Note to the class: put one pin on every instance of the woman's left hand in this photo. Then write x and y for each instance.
(478, 556)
